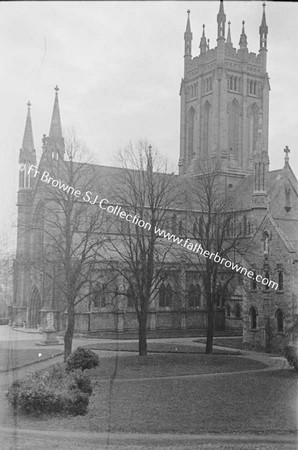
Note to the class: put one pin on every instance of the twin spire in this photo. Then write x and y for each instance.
(55, 134)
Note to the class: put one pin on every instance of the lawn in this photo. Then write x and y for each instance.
(14, 357)
(142, 395)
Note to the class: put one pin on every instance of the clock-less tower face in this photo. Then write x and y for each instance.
(223, 93)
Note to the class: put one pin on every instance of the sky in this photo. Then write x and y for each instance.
(119, 66)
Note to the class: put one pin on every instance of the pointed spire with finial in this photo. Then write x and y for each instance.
(229, 40)
(54, 144)
(187, 37)
(28, 144)
(243, 38)
(221, 21)
(263, 30)
(56, 128)
(203, 43)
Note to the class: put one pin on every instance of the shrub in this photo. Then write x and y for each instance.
(76, 403)
(81, 381)
(292, 356)
(82, 358)
(52, 391)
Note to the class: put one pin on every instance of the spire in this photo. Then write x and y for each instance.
(221, 20)
(187, 36)
(54, 144)
(229, 40)
(243, 38)
(27, 155)
(28, 144)
(263, 30)
(56, 128)
(203, 43)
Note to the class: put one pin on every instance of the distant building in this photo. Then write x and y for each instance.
(224, 119)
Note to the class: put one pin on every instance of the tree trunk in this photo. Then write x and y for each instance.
(68, 336)
(143, 336)
(210, 330)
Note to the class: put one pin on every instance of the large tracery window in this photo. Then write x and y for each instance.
(205, 127)
(190, 132)
(253, 121)
(234, 128)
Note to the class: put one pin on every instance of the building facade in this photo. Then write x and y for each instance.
(224, 121)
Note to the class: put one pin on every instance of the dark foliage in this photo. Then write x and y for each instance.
(291, 354)
(52, 391)
(83, 359)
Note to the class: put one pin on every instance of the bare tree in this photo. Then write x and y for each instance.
(146, 191)
(69, 231)
(213, 223)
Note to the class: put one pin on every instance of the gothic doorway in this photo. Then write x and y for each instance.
(34, 308)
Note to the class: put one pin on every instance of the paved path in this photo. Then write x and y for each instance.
(46, 440)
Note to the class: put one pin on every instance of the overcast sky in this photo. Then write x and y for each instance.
(119, 66)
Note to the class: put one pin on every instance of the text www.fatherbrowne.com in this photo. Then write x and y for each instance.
(136, 220)
(197, 248)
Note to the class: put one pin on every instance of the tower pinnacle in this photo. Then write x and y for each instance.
(229, 40)
(187, 36)
(287, 151)
(203, 43)
(221, 21)
(263, 30)
(243, 38)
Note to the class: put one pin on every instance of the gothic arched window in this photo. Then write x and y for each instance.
(237, 311)
(279, 320)
(205, 127)
(253, 121)
(99, 295)
(168, 295)
(190, 132)
(254, 281)
(228, 310)
(234, 128)
(280, 281)
(162, 296)
(267, 276)
(194, 295)
(130, 297)
(253, 318)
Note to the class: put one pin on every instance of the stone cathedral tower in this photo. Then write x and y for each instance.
(223, 92)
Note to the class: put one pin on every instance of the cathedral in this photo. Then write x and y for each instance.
(224, 119)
